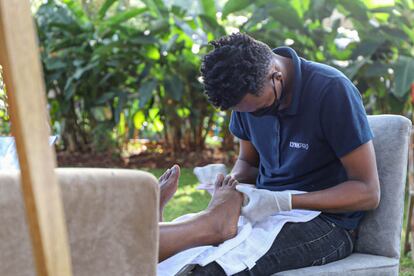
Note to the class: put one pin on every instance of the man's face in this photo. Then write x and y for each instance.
(251, 102)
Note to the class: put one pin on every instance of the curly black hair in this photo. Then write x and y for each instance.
(237, 65)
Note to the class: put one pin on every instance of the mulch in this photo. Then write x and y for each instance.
(146, 159)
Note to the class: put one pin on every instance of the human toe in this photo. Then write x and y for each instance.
(164, 175)
(233, 182)
(219, 180)
(226, 180)
(176, 169)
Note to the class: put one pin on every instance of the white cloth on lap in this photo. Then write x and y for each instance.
(240, 252)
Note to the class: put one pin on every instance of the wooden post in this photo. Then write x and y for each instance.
(19, 56)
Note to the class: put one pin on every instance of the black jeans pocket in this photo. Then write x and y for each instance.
(336, 254)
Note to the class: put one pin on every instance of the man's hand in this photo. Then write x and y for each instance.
(245, 169)
(263, 203)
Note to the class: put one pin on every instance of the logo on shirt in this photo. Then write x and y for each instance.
(298, 145)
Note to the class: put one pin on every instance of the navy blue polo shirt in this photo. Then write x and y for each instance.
(300, 146)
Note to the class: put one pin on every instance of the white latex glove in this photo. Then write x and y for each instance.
(260, 203)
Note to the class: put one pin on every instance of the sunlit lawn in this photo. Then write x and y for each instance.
(189, 200)
(406, 263)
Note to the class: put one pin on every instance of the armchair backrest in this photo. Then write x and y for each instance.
(380, 230)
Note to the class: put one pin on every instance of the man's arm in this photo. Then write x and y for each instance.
(245, 169)
(360, 192)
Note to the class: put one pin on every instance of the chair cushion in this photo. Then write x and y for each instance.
(380, 229)
(354, 265)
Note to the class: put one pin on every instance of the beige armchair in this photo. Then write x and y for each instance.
(112, 220)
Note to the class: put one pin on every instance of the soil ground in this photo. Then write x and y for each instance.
(145, 159)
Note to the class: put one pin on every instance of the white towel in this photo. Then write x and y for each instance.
(207, 175)
(240, 252)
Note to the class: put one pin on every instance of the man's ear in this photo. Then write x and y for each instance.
(278, 75)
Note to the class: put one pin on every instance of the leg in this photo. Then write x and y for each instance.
(210, 227)
(315, 242)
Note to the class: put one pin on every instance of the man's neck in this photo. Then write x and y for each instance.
(285, 65)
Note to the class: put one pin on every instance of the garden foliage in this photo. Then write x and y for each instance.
(117, 70)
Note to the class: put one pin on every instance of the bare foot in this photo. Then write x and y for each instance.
(224, 208)
(168, 186)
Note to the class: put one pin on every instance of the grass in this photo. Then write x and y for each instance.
(406, 265)
(189, 200)
(406, 262)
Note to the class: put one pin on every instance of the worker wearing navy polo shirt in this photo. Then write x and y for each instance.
(301, 126)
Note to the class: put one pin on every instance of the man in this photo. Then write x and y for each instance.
(301, 126)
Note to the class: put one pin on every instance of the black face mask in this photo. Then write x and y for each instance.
(274, 107)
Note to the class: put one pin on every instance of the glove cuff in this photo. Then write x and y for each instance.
(285, 201)
(289, 195)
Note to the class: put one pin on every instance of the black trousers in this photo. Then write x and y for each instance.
(311, 243)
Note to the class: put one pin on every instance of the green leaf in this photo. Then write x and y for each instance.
(356, 9)
(156, 7)
(139, 119)
(145, 92)
(152, 52)
(71, 28)
(394, 33)
(158, 125)
(54, 64)
(409, 32)
(178, 11)
(185, 27)
(377, 69)
(142, 40)
(208, 8)
(367, 47)
(79, 71)
(396, 104)
(77, 10)
(69, 89)
(170, 43)
(119, 107)
(320, 9)
(98, 113)
(388, 9)
(183, 112)
(153, 113)
(124, 16)
(105, 97)
(174, 87)
(159, 26)
(121, 124)
(212, 25)
(404, 77)
(286, 15)
(105, 7)
(235, 5)
(301, 6)
(351, 70)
